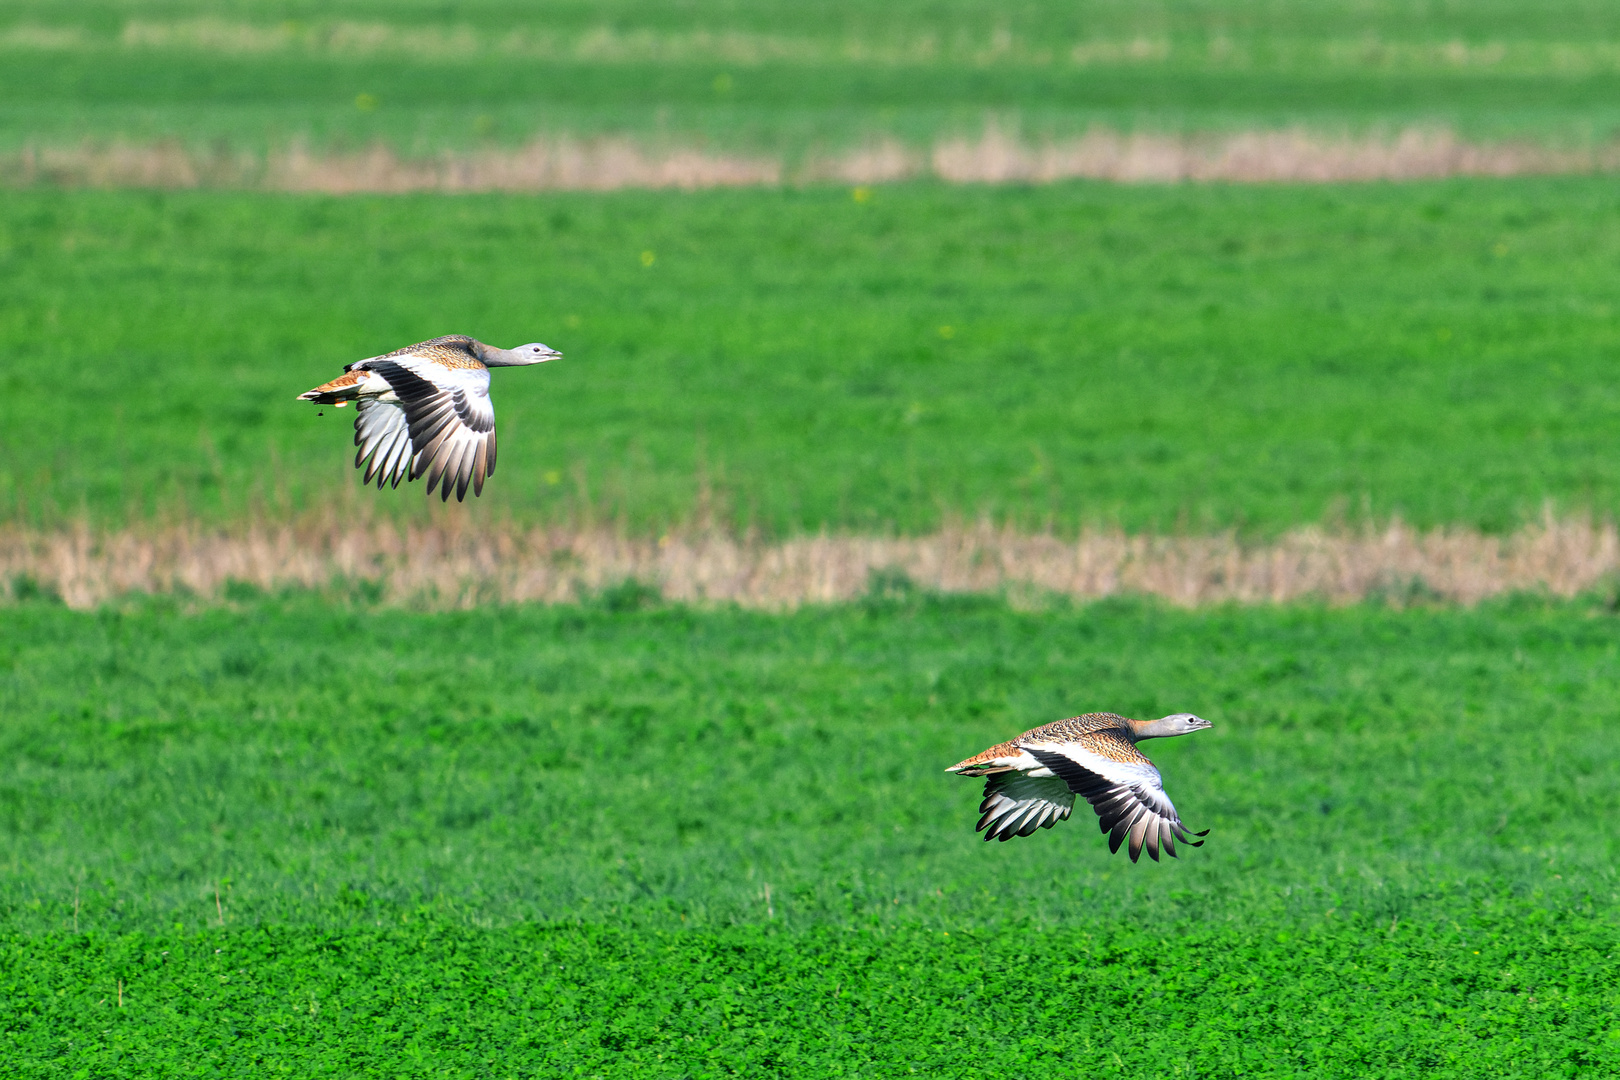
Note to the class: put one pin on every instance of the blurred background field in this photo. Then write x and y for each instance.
(848, 318)
(794, 82)
(1161, 359)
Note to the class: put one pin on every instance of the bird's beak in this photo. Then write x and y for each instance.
(552, 354)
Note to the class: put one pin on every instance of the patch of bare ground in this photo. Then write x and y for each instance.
(449, 567)
(994, 157)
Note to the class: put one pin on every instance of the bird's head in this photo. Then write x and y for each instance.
(522, 356)
(536, 353)
(1181, 723)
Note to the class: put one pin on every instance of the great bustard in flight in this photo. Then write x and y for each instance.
(1035, 777)
(424, 410)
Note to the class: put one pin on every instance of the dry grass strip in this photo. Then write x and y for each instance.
(458, 44)
(994, 157)
(449, 567)
(1252, 157)
(543, 165)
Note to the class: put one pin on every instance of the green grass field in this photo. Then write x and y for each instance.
(303, 833)
(1160, 358)
(532, 840)
(792, 80)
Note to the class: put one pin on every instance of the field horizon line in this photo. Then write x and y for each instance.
(611, 162)
(456, 565)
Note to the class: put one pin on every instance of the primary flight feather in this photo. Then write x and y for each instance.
(1034, 778)
(424, 410)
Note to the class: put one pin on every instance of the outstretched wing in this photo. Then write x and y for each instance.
(1016, 804)
(384, 438)
(449, 419)
(1128, 796)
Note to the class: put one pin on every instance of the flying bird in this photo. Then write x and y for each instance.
(1035, 777)
(424, 410)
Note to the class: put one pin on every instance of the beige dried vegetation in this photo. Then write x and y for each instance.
(447, 566)
(444, 43)
(1251, 157)
(993, 157)
(542, 165)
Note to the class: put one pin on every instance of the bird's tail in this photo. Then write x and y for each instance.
(964, 769)
(998, 758)
(340, 391)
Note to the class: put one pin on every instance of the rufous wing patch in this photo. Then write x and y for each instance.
(985, 761)
(343, 388)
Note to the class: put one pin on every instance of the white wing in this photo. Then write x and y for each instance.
(384, 437)
(1016, 804)
(450, 421)
(1128, 796)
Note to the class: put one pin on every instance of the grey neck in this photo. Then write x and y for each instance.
(1158, 729)
(493, 357)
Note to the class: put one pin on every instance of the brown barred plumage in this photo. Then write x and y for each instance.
(1033, 779)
